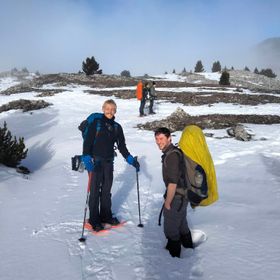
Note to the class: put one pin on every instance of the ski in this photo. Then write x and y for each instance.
(107, 228)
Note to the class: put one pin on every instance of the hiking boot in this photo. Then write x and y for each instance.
(174, 247)
(186, 240)
(113, 221)
(152, 113)
(142, 115)
(97, 227)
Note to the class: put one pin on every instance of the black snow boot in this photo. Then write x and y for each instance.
(112, 221)
(174, 248)
(96, 226)
(186, 240)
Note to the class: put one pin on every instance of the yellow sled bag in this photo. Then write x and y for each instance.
(194, 146)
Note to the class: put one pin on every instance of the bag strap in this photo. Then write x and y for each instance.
(160, 214)
(98, 129)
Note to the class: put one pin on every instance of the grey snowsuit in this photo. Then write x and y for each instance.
(175, 219)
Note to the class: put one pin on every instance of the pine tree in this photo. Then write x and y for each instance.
(90, 66)
(268, 73)
(125, 73)
(256, 71)
(198, 67)
(216, 66)
(224, 79)
(184, 70)
(246, 69)
(14, 71)
(174, 72)
(25, 70)
(12, 151)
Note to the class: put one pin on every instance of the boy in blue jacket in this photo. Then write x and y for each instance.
(98, 158)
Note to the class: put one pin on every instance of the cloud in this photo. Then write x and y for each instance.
(140, 36)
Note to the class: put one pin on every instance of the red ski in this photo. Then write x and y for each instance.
(107, 228)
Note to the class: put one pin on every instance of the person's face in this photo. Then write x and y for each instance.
(109, 110)
(162, 141)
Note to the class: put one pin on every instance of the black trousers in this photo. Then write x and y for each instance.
(100, 192)
(142, 105)
(151, 105)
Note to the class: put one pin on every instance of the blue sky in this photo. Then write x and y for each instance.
(142, 36)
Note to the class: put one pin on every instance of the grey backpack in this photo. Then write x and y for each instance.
(194, 177)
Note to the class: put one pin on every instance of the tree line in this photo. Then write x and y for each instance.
(91, 67)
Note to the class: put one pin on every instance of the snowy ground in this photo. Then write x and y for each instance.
(41, 214)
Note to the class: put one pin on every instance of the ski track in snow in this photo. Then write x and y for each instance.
(117, 260)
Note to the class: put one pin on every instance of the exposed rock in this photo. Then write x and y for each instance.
(208, 134)
(178, 120)
(49, 92)
(26, 87)
(198, 98)
(22, 169)
(240, 133)
(66, 79)
(174, 122)
(25, 105)
(17, 89)
(123, 94)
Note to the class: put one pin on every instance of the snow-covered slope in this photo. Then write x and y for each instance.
(41, 214)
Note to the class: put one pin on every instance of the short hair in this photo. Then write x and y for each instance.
(110, 102)
(163, 130)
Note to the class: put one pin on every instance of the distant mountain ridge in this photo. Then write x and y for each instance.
(266, 54)
(270, 44)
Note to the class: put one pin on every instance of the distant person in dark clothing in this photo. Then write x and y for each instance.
(145, 94)
(152, 97)
(98, 157)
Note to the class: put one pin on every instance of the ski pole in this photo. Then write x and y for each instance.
(137, 180)
(83, 239)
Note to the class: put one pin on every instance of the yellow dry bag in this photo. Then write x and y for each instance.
(194, 146)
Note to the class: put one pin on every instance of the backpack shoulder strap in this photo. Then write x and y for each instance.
(179, 152)
(98, 127)
(116, 127)
(176, 150)
(182, 184)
